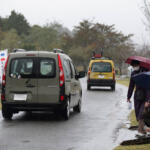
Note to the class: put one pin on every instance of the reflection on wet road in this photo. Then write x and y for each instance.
(96, 128)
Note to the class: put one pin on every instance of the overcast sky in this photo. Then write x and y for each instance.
(125, 14)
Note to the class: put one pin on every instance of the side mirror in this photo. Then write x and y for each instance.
(81, 74)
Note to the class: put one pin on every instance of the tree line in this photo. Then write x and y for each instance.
(86, 37)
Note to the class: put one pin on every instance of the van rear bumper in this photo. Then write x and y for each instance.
(100, 82)
(13, 106)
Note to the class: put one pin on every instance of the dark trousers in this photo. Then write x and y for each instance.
(139, 109)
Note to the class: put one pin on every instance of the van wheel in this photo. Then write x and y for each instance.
(113, 87)
(88, 87)
(7, 114)
(66, 111)
(78, 107)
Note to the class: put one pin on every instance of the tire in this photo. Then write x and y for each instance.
(113, 87)
(6, 113)
(88, 87)
(78, 107)
(66, 111)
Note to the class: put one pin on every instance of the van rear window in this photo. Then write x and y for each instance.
(101, 67)
(47, 68)
(21, 68)
(32, 68)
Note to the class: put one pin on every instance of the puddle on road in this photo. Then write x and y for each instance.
(116, 131)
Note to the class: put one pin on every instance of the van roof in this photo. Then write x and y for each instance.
(37, 53)
(29, 52)
(101, 60)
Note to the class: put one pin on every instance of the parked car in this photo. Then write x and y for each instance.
(40, 80)
(101, 72)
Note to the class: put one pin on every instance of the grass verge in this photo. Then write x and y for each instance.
(123, 81)
(132, 119)
(133, 123)
(134, 147)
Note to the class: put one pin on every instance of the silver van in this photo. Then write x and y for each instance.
(40, 81)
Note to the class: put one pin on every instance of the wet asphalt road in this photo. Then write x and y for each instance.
(96, 128)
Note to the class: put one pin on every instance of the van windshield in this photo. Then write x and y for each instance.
(101, 67)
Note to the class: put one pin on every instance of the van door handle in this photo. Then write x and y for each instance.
(30, 86)
(27, 81)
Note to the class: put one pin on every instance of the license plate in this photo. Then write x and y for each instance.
(101, 76)
(20, 97)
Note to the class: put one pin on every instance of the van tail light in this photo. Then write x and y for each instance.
(3, 85)
(113, 74)
(89, 71)
(2, 97)
(61, 79)
(62, 98)
(4, 80)
(61, 72)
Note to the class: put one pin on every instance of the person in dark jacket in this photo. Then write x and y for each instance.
(139, 105)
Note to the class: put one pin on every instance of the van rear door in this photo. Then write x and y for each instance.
(21, 81)
(48, 78)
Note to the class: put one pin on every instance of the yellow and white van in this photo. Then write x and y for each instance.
(101, 72)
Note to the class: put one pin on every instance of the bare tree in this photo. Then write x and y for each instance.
(143, 50)
(146, 12)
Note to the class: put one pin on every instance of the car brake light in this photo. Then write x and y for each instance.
(61, 71)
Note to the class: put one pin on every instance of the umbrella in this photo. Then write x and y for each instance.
(144, 62)
(142, 79)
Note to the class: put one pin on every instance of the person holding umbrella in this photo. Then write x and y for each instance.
(141, 96)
